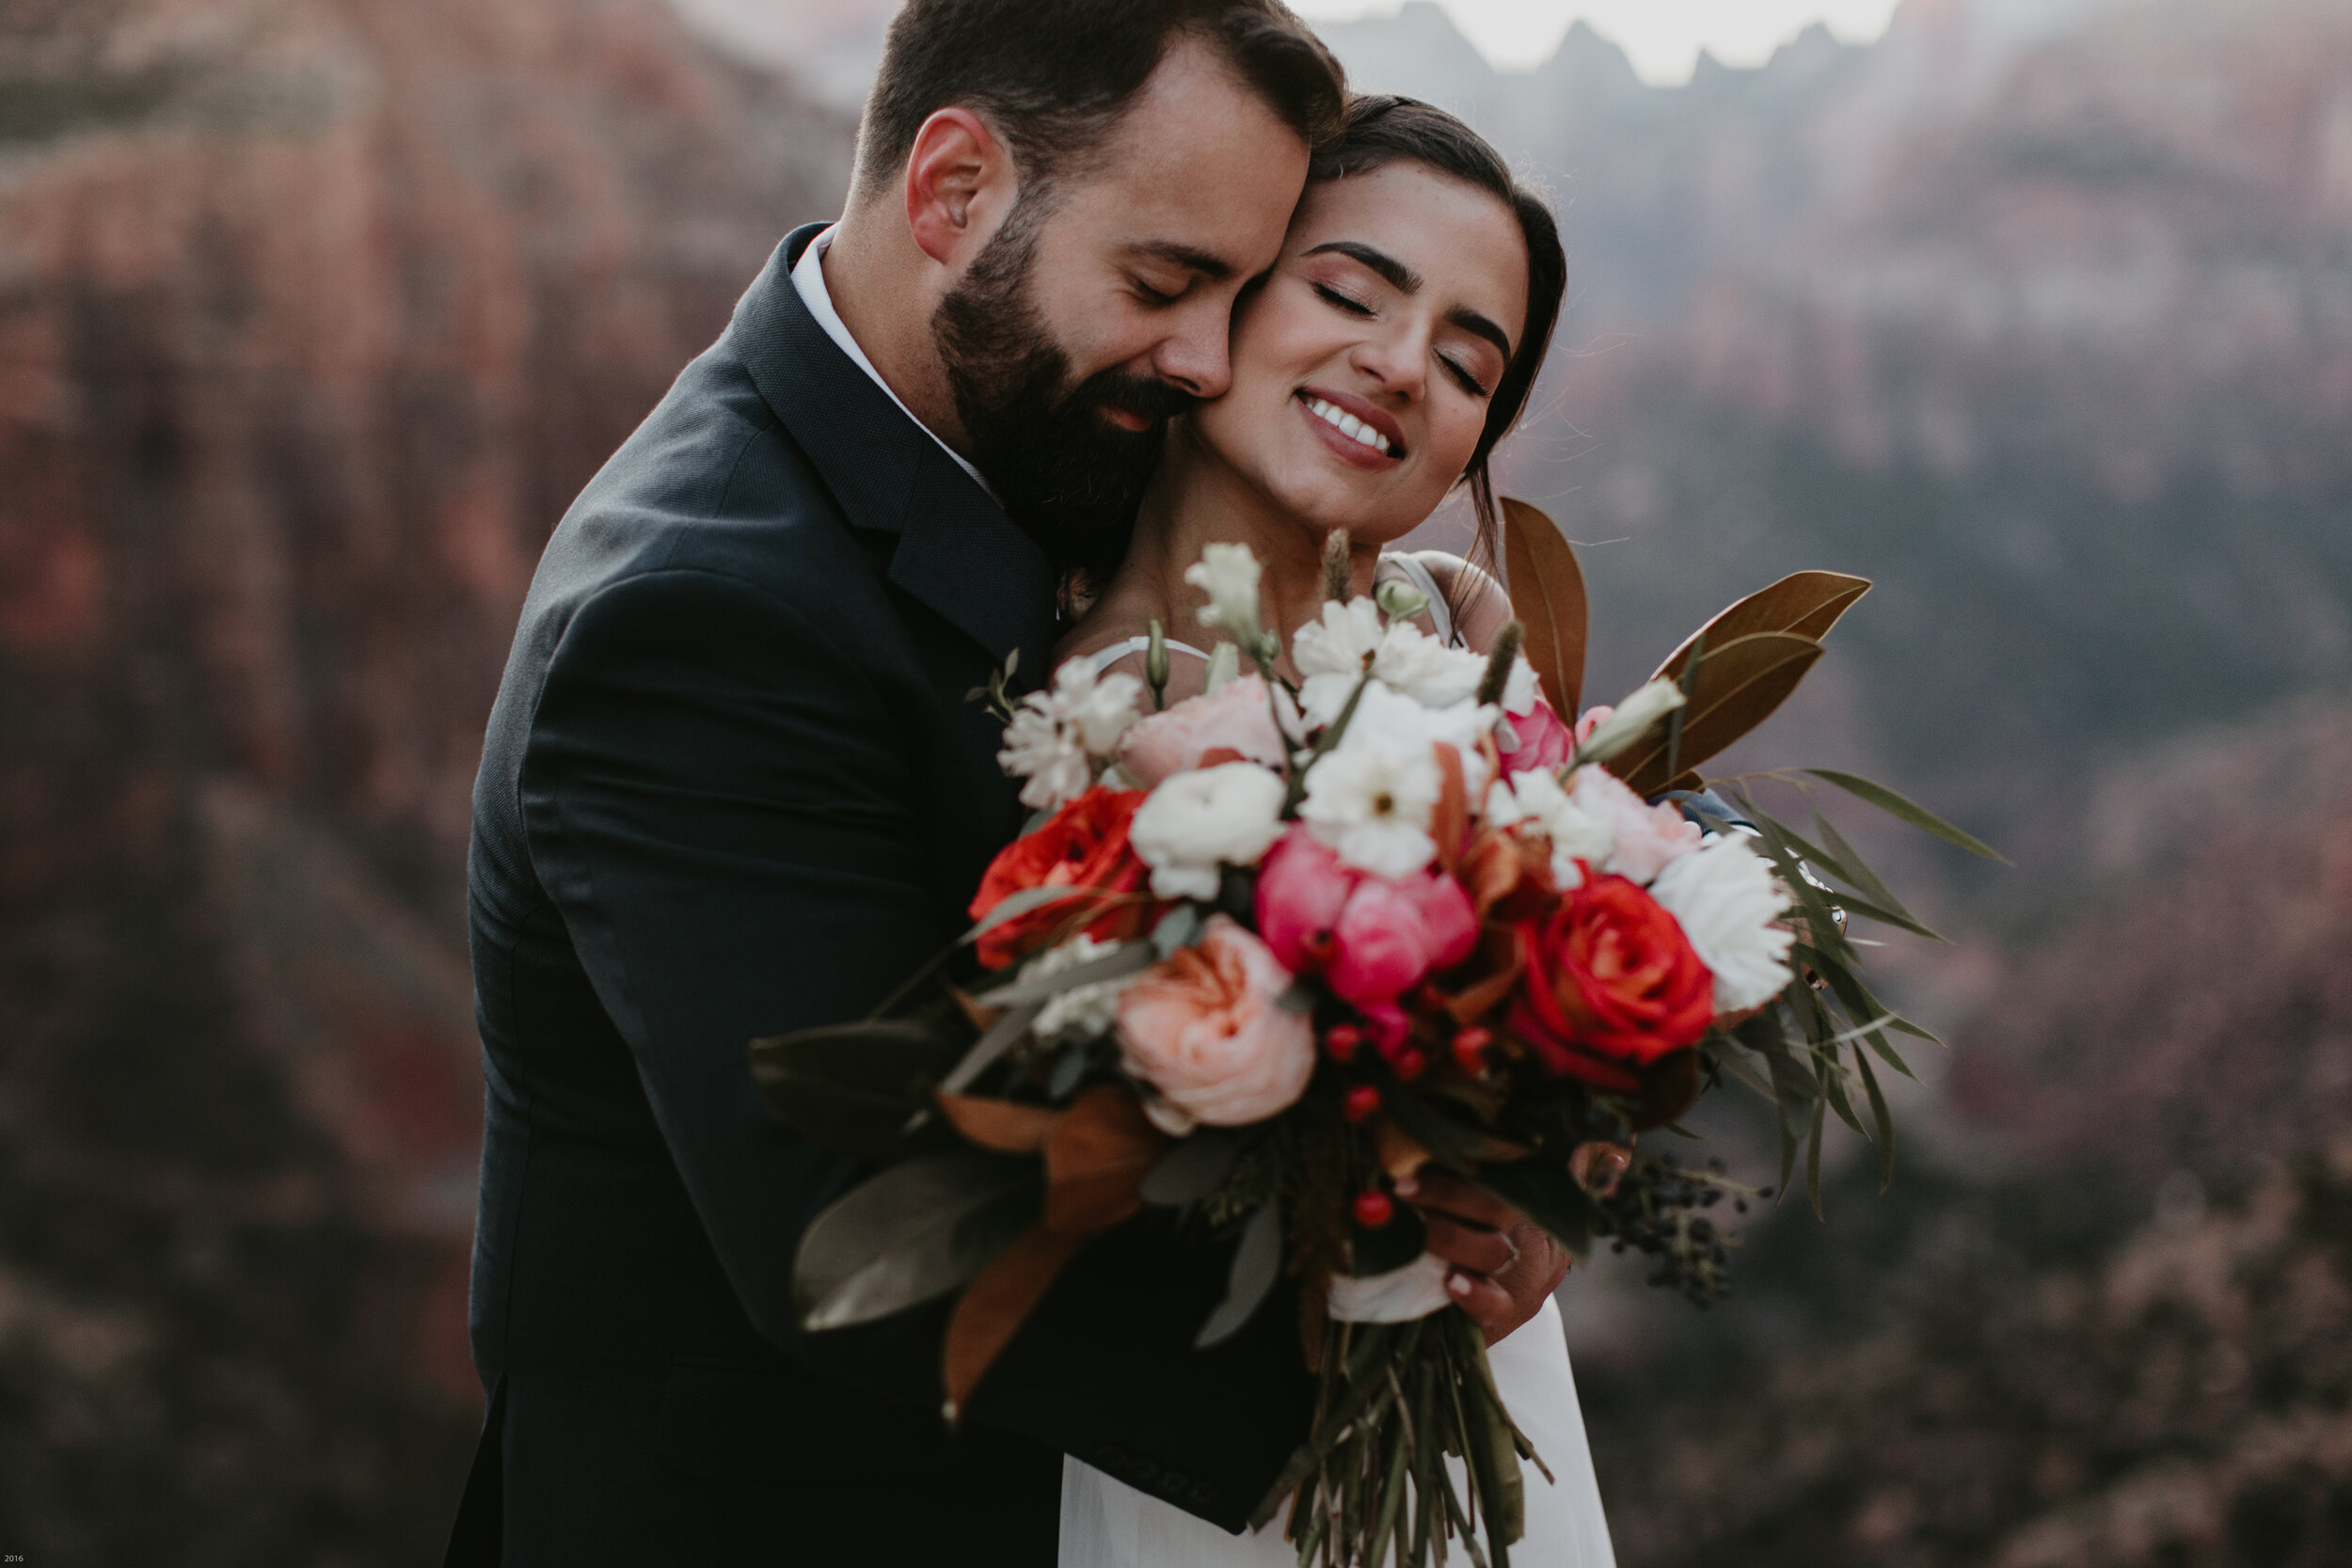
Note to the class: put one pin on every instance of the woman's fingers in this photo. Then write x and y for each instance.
(1490, 1306)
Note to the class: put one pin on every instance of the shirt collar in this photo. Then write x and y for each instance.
(808, 276)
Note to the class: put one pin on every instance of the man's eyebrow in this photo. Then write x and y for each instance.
(1207, 264)
(1471, 322)
(1401, 277)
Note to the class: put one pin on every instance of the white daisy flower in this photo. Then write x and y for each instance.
(1729, 904)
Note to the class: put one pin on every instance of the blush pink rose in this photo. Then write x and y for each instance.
(1545, 740)
(1235, 717)
(1206, 1028)
(1648, 837)
(1371, 938)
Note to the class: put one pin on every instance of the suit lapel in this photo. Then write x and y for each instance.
(958, 553)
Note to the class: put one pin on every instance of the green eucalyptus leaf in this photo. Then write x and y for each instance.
(1813, 1164)
(1128, 959)
(1193, 1167)
(1908, 810)
(1257, 1264)
(916, 1231)
(1857, 870)
(1880, 1117)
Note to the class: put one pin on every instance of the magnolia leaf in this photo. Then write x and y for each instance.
(1257, 1264)
(1000, 1126)
(851, 1086)
(1908, 810)
(1096, 1158)
(1548, 597)
(1736, 687)
(1550, 1196)
(1804, 604)
(1125, 959)
(1193, 1168)
(999, 1301)
(914, 1232)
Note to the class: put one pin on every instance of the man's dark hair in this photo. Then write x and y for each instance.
(1052, 76)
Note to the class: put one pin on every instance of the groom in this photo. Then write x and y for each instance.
(732, 787)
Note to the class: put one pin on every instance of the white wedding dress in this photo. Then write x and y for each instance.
(1108, 1524)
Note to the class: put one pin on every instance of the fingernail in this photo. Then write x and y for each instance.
(1405, 1186)
(1457, 1284)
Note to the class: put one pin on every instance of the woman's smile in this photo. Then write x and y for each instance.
(1356, 431)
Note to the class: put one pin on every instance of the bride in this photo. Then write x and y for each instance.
(1374, 370)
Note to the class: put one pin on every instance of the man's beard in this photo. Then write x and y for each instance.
(1065, 473)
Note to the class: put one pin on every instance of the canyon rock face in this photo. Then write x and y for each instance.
(314, 317)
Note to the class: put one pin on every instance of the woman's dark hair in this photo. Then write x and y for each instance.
(1380, 130)
(1052, 76)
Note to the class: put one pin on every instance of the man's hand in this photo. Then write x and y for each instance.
(1504, 1264)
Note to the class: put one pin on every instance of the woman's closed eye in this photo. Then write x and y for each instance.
(1461, 373)
(1348, 302)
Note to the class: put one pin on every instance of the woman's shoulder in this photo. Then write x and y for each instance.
(1479, 605)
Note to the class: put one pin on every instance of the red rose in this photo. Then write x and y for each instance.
(1084, 845)
(1611, 984)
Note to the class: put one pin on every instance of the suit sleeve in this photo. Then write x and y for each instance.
(720, 803)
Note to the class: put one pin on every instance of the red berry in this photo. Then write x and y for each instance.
(1470, 1049)
(1411, 1063)
(1360, 1102)
(1373, 1210)
(1342, 1039)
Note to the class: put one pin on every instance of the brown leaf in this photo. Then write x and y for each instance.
(1096, 1160)
(1548, 596)
(999, 1124)
(975, 1013)
(1400, 1155)
(1803, 604)
(1450, 820)
(997, 1303)
(1737, 687)
(1482, 997)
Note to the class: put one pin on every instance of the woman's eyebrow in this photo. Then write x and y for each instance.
(1398, 275)
(1477, 325)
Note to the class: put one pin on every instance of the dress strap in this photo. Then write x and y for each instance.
(1441, 617)
(1105, 657)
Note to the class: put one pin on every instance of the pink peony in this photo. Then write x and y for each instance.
(1234, 718)
(1206, 1028)
(1371, 938)
(1545, 741)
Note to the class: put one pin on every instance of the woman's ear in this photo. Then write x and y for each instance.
(960, 183)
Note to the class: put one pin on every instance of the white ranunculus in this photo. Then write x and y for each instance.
(1194, 822)
(1730, 906)
(1332, 653)
(1229, 575)
(1633, 716)
(1081, 1012)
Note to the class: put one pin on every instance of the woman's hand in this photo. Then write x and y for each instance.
(1503, 1263)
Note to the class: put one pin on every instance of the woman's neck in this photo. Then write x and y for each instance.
(1195, 500)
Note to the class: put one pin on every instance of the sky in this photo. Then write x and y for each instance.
(1661, 37)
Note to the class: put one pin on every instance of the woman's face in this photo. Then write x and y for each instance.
(1362, 370)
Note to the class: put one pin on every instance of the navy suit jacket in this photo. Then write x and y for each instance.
(733, 787)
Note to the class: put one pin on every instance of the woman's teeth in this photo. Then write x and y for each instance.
(1348, 425)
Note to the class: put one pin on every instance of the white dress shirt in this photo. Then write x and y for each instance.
(808, 276)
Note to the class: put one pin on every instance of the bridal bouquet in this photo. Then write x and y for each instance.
(1267, 953)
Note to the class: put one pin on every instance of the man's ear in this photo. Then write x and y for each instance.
(960, 183)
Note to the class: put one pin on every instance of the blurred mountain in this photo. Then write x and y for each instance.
(313, 316)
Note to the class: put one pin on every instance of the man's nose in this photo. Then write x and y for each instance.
(1194, 356)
